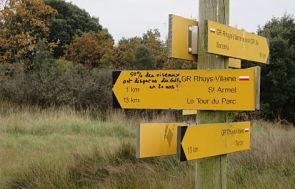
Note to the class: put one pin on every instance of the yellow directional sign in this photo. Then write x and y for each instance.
(196, 142)
(186, 89)
(178, 42)
(231, 42)
(156, 139)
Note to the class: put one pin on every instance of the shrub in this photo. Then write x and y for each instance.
(56, 83)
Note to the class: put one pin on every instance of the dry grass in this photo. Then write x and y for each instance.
(270, 163)
(61, 148)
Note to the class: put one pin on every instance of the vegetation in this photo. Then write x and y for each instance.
(278, 78)
(22, 25)
(53, 53)
(89, 49)
(60, 148)
(69, 23)
(57, 129)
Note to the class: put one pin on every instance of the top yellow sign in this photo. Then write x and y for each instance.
(231, 42)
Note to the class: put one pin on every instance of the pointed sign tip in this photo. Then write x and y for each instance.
(182, 131)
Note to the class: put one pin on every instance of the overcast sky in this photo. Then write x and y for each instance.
(129, 18)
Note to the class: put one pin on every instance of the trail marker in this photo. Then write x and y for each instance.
(201, 141)
(231, 42)
(182, 38)
(213, 87)
(186, 89)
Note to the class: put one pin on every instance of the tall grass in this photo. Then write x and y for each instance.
(61, 148)
(270, 163)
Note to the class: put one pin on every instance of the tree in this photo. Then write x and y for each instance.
(124, 53)
(71, 21)
(144, 58)
(126, 50)
(278, 78)
(152, 40)
(89, 49)
(23, 23)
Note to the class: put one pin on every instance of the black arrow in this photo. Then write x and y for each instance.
(115, 76)
(180, 135)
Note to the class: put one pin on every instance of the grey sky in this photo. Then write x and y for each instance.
(129, 18)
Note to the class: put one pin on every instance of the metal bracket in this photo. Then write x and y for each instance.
(193, 40)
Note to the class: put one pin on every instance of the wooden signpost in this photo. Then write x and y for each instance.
(213, 89)
(211, 172)
(186, 89)
(196, 142)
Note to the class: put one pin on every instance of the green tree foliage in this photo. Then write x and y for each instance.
(71, 21)
(151, 39)
(91, 49)
(125, 53)
(126, 50)
(179, 64)
(52, 82)
(144, 58)
(23, 24)
(278, 78)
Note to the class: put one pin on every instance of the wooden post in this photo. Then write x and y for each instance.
(211, 172)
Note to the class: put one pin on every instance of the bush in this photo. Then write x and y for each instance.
(56, 83)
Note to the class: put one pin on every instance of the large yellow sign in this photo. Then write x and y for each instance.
(231, 42)
(156, 139)
(196, 142)
(186, 89)
(178, 41)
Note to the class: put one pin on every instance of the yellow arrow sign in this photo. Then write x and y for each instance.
(156, 139)
(196, 142)
(231, 42)
(178, 42)
(186, 89)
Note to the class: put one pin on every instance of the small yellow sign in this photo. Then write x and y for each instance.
(231, 42)
(186, 89)
(156, 139)
(178, 40)
(235, 63)
(201, 141)
(189, 112)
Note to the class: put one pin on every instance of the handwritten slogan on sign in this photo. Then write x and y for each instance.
(185, 89)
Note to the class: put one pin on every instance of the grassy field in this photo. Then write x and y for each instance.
(64, 149)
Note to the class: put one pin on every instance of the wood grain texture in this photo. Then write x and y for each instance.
(258, 83)
(211, 172)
